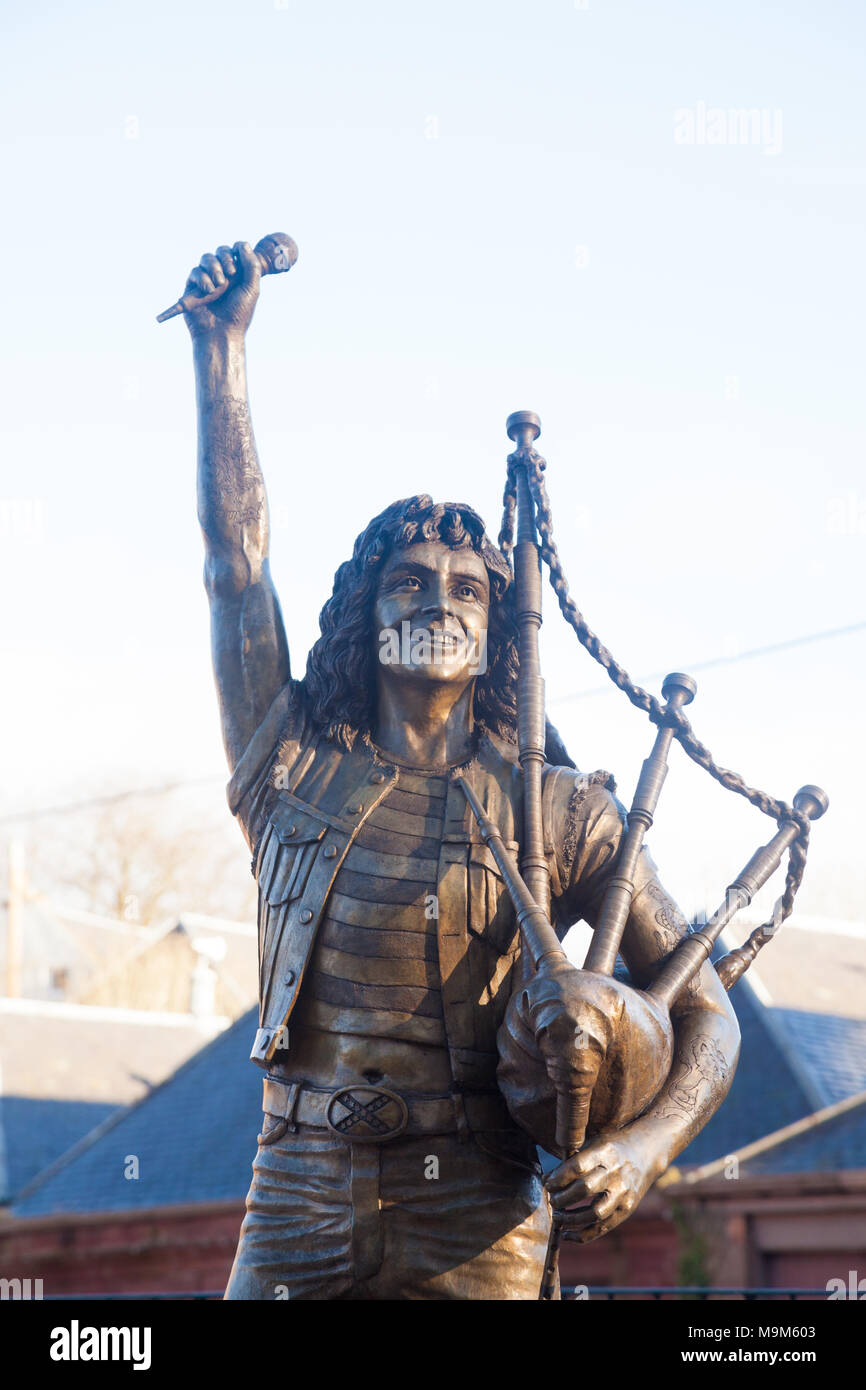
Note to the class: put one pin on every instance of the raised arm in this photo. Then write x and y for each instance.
(248, 640)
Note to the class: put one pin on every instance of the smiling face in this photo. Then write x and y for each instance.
(424, 567)
(430, 613)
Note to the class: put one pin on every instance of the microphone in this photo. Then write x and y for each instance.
(276, 252)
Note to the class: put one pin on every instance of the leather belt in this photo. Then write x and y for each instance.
(366, 1114)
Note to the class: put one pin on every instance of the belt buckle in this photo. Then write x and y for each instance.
(366, 1114)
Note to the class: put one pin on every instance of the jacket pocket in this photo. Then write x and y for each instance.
(286, 852)
(491, 915)
(285, 856)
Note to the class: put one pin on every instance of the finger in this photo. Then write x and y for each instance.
(581, 1188)
(212, 267)
(596, 1180)
(227, 261)
(570, 1196)
(200, 281)
(560, 1177)
(601, 1228)
(591, 1158)
(248, 263)
(606, 1204)
(578, 1165)
(577, 1219)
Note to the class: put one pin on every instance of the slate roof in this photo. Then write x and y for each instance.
(833, 1050)
(812, 979)
(194, 1137)
(833, 1140)
(835, 1143)
(36, 1132)
(66, 1067)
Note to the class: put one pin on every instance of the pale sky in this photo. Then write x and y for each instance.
(497, 207)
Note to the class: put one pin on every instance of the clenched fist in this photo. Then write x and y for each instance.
(239, 268)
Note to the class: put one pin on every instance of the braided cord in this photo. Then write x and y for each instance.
(509, 508)
(779, 811)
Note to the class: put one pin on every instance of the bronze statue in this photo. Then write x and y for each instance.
(421, 842)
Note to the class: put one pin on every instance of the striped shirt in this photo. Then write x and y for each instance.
(374, 969)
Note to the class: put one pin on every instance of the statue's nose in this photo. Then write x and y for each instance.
(438, 607)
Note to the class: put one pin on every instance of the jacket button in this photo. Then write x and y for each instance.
(305, 916)
(378, 777)
(291, 830)
(356, 810)
(290, 977)
(330, 851)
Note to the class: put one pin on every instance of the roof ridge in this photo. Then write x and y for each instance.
(79, 1147)
(93, 1136)
(779, 1136)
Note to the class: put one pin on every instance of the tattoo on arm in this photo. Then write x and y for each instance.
(670, 929)
(234, 489)
(698, 1068)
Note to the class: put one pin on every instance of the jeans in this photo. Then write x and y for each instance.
(419, 1218)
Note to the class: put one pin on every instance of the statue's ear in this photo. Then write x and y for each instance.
(555, 750)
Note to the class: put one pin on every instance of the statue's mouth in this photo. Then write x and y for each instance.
(444, 639)
(431, 645)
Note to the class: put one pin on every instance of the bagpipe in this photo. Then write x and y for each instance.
(580, 1051)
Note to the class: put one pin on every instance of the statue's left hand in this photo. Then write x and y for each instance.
(615, 1173)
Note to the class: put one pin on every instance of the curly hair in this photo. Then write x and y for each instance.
(339, 687)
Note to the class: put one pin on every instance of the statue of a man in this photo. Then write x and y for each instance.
(388, 1165)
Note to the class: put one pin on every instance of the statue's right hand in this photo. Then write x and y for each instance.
(236, 267)
(572, 1015)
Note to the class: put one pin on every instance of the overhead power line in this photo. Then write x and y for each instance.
(110, 798)
(750, 655)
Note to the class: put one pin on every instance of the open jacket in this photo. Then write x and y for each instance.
(301, 801)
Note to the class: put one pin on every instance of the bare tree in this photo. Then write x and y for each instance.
(143, 860)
